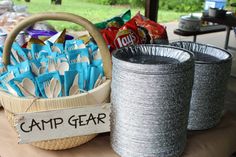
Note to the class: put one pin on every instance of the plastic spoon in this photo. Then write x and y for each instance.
(29, 56)
(57, 89)
(23, 91)
(55, 49)
(64, 66)
(29, 86)
(35, 70)
(47, 89)
(75, 86)
(51, 66)
(74, 90)
(42, 69)
(52, 85)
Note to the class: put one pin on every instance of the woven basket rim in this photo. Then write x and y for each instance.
(21, 105)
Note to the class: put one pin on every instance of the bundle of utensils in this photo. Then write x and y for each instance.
(52, 70)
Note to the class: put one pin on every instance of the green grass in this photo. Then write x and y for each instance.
(93, 12)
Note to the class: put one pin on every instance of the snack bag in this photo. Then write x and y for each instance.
(109, 35)
(44, 34)
(150, 30)
(127, 35)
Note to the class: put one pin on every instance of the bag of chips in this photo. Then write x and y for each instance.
(151, 31)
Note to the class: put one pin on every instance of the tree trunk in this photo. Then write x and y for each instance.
(151, 9)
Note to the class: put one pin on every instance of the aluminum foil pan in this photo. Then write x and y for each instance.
(212, 70)
(151, 91)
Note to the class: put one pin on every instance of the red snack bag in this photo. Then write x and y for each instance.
(109, 35)
(156, 31)
(119, 37)
(138, 30)
(127, 35)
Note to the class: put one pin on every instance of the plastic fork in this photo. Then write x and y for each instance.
(47, 89)
(9, 88)
(51, 65)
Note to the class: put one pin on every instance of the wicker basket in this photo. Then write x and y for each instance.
(13, 105)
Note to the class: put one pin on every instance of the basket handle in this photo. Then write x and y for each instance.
(62, 17)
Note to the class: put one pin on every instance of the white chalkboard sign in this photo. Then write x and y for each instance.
(55, 124)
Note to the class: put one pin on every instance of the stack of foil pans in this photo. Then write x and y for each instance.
(151, 91)
(212, 70)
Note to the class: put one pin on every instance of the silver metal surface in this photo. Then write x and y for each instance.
(150, 100)
(212, 70)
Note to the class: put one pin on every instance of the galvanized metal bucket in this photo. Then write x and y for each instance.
(151, 91)
(212, 70)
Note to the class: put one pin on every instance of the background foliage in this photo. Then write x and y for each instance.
(91, 11)
(182, 5)
(175, 5)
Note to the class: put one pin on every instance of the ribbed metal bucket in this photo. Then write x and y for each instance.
(151, 91)
(212, 70)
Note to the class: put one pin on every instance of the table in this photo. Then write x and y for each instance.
(216, 142)
(229, 21)
(203, 30)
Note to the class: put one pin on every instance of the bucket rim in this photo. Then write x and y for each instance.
(189, 59)
(220, 61)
